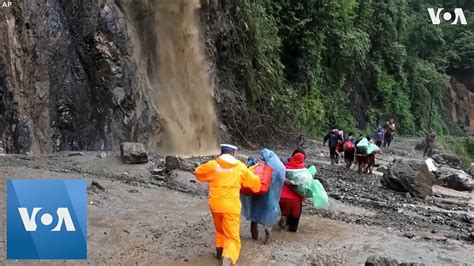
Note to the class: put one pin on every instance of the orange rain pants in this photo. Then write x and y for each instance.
(228, 234)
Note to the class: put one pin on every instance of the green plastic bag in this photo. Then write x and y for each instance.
(363, 145)
(319, 196)
(370, 148)
(313, 170)
(307, 187)
(302, 179)
(375, 148)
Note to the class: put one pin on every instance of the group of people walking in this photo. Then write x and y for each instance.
(226, 175)
(346, 147)
(281, 205)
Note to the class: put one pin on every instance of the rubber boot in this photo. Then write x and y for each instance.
(219, 253)
(226, 262)
(254, 230)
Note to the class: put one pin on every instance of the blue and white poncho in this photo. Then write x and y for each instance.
(265, 209)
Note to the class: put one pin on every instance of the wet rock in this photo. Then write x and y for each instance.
(158, 171)
(75, 154)
(102, 155)
(22, 137)
(454, 178)
(159, 177)
(387, 261)
(411, 176)
(334, 196)
(95, 184)
(444, 157)
(133, 153)
(468, 218)
(380, 261)
(172, 163)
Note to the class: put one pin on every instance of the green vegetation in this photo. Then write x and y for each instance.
(352, 62)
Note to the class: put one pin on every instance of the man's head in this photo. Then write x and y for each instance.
(228, 149)
(351, 133)
(392, 120)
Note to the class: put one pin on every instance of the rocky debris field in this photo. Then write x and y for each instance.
(439, 217)
(156, 212)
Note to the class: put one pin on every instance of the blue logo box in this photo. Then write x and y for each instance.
(47, 219)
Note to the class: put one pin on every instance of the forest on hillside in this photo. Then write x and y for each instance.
(352, 63)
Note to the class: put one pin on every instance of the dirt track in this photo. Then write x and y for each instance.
(138, 219)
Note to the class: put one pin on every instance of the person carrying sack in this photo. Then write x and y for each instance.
(265, 209)
(333, 137)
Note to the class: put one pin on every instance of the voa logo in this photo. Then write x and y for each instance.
(46, 219)
(457, 15)
(63, 215)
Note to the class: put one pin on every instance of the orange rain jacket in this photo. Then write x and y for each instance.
(226, 175)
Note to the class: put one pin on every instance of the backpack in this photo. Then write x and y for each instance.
(379, 135)
(348, 146)
(264, 171)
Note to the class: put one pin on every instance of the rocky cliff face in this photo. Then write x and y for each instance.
(461, 100)
(68, 78)
(84, 75)
(87, 74)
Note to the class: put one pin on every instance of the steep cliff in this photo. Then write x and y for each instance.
(87, 75)
(179, 74)
(68, 79)
(460, 107)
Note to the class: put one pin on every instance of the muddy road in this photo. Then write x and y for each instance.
(164, 219)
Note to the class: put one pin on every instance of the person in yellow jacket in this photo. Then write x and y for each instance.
(225, 176)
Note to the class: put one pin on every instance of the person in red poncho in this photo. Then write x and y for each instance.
(290, 202)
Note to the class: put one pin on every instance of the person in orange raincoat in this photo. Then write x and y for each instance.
(226, 175)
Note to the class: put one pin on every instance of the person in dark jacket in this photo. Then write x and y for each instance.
(429, 142)
(379, 136)
(333, 137)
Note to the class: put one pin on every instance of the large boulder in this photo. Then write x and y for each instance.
(444, 157)
(133, 153)
(380, 261)
(172, 163)
(411, 176)
(454, 178)
(387, 261)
